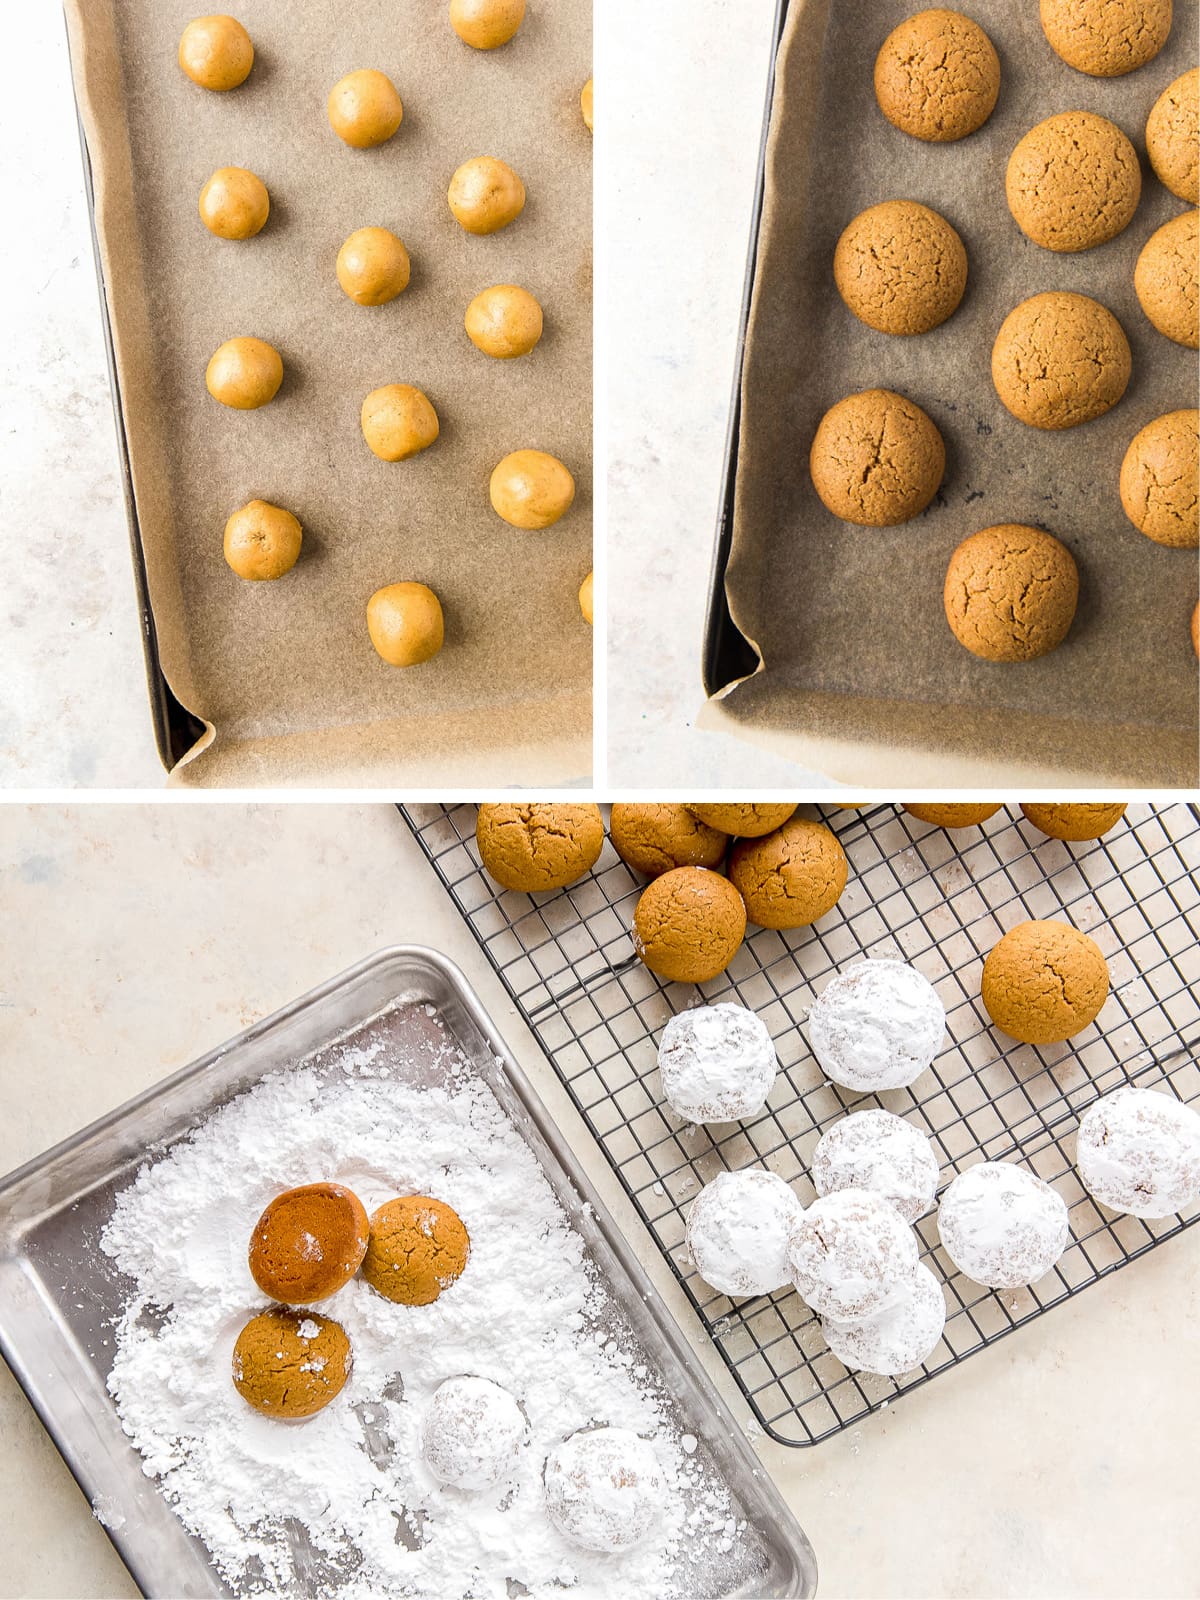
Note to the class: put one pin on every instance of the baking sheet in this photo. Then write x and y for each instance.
(848, 621)
(284, 672)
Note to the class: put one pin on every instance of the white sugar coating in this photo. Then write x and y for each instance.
(849, 1254)
(876, 1025)
(604, 1490)
(898, 1338)
(738, 1230)
(473, 1433)
(876, 1150)
(717, 1063)
(1139, 1151)
(1002, 1225)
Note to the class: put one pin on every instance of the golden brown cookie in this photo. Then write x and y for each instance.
(900, 267)
(486, 24)
(1074, 181)
(244, 374)
(1159, 474)
(373, 267)
(291, 1363)
(262, 541)
(533, 848)
(585, 599)
(504, 321)
(531, 489)
(364, 109)
(406, 624)
(1044, 982)
(1075, 822)
(791, 877)
(1011, 592)
(952, 816)
(1106, 38)
(1060, 359)
(876, 459)
(1166, 280)
(485, 195)
(743, 820)
(1173, 136)
(216, 52)
(418, 1248)
(234, 204)
(654, 838)
(398, 421)
(308, 1243)
(689, 925)
(937, 76)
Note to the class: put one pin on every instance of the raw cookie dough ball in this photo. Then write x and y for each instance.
(586, 97)
(876, 459)
(654, 838)
(308, 1243)
(504, 321)
(531, 489)
(1196, 629)
(1044, 982)
(900, 267)
(485, 195)
(1002, 1226)
(900, 1337)
(1010, 593)
(1106, 38)
(878, 1151)
(533, 848)
(262, 541)
(234, 204)
(1075, 822)
(604, 1490)
(290, 1363)
(364, 109)
(952, 816)
(1139, 1151)
(585, 599)
(850, 1253)
(244, 374)
(937, 76)
(744, 821)
(373, 266)
(418, 1247)
(791, 877)
(1173, 136)
(1166, 280)
(473, 1433)
(717, 1063)
(738, 1230)
(1060, 359)
(216, 52)
(406, 624)
(486, 24)
(876, 1025)
(689, 925)
(1159, 480)
(398, 421)
(1074, 181)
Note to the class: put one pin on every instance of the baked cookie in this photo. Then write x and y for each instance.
(585, 598)
(533, 848)
(308, 1243)
(791, 877)
(900, 267)
(654, 838)
(1173, 136)
(1075, 822)
(1165, 280)
(291, 1364)
(937, 76)
(587, 97)
(1074, 181)
(953, 816)
(1196, 629)
(1106, 38)
(1011, 592)
(486, 24)
(876, 459)
(234, 203)
(689, 925)
(418, 1247)
(1044, 982)
(1159, 480)
(742, 820)
(1060, 359)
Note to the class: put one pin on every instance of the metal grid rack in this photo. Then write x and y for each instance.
(939, 900)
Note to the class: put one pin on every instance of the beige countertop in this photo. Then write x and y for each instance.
(1061, 1462)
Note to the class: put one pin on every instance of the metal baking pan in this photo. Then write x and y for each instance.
(59, 1293)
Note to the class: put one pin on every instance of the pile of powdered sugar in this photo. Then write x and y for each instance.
(343, 1502)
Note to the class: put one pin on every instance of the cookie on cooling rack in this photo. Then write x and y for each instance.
(1002, 1225)
(738, 1230)
(534, 848)
(717, 1063)
(1139, 1151)
(900, 1337)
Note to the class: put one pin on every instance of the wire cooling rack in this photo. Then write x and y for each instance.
(939, 900)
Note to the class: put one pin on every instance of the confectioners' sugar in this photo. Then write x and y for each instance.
(876, 1026)
(1139, 1151)
(876, 1150)
(898, 1338)
(738, 1230)
(717, 1063)
(1002, 1225)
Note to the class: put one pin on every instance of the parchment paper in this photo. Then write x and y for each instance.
(285, 671)
(848, 621)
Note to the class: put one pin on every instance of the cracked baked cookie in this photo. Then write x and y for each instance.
(1044, 982)
(689, 925)
(953, 816)
(532, 848)
(792, 876)
(900, 267)
(418, 1247)
(1173, 136)
(745, 821)
(876, 459)
(1165, 280)
(1060, 359)
(1106, 38)
(290, 1363)
(1159, 475)
(937, 76)
(1010, 593)
(654, 838)
(1074, 181)
(1075, 822)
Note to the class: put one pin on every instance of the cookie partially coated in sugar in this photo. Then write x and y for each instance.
(234, 204)
(654, 838)
(937, 76)
(1060, 359)
(689, 925)
(1074, 822)
(1159, 480)
(364, 109)
(1173, 136)
(744, 819)
(1044, 982)
(216, 53)
(792, 877)
(1106, 38)
(533, 848)
(900, 267)
(1166, 280)
(418, 1248)
(1010, 593)
(1072, 182)
(876, 459)
(291, 1364)
(308, 1243)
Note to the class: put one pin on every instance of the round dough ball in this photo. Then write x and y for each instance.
(952, 816)
(717, 1063)
(738, 1230)
(900, 267)
(406, 624)
(1074, 181)
(881, 1152)
(486, 24)
(1044, 982)
(1139, 1151)
(533, 848)
(1010, 593)
(398, 421)
(745, 821)
(417, 1249)
(364, 109)
(234, 204)
(791, 877)
(1059, 360)
(531, 489)
(1196, 629)
(689, 925)
(473, 1433)
(1002, 1226)
(937, 76)
(485, 195)
(262, 541)
(216, 52)
(654, 838)
(1173, 136)
(876, 1026)
(850, 1254)
(876, 459)
(586, 96)
(585, 599)
(900, 1337)
(1106, 38)
(504, 321)
(1074, 822)
(1165, 278)
(308, 1243)
(373, 267)
(244, 374)
(290, 1364)
(604, 1490)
